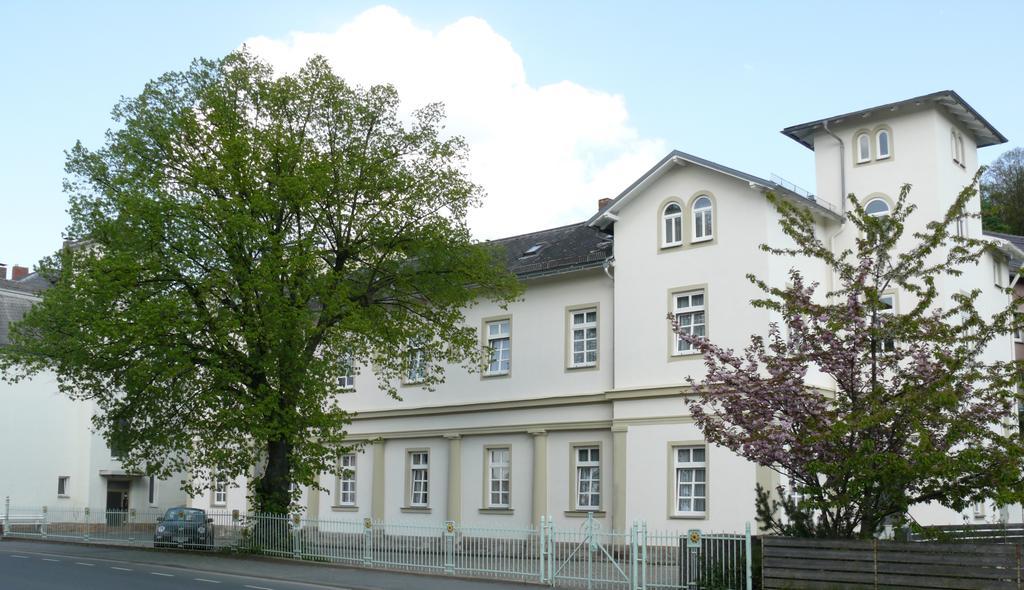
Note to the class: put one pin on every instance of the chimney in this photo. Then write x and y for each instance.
(602, 203)
(3, 271)
(18, 272)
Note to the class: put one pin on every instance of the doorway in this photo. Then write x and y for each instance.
(117, 501)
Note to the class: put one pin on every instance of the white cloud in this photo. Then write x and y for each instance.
(544, 154)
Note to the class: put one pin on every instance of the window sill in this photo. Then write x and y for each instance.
(221, 505)
(415, 510)
(686, 354)
(670, 246)
(498, 374)
(63, 495)
(700, 516)
(582, 367)
(500, 511)
(702, 240)
(584, 513)
(344, 508)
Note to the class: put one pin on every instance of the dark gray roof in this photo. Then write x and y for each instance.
(946, 100)
(562, 249)
(16, 298)
(1015, 263)
(822, 209)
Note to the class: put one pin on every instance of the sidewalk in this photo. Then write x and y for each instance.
(284, 570)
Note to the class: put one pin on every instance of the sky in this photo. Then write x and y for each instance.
(562, 102)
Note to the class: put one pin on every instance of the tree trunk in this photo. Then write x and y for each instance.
(273, 491)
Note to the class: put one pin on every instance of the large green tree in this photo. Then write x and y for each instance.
(242, 240)
(1002, 193)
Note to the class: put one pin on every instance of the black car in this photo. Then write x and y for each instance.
(184, 527)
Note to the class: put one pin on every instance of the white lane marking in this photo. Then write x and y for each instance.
(120, 569)
(19, 557)
(86, 564)
(164, 575)
(258, 587)
(49, 559)
(207, 581)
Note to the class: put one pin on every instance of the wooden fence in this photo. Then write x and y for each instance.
(972, 533)
(826, 564)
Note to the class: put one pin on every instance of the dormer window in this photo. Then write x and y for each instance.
(672, 216)
(863, 148)
(702, 219)
(882, 144)
(532, 250)
(877, 208)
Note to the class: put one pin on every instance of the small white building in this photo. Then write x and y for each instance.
(581, 413)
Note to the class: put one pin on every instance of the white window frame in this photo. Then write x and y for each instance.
(218, 492)
(587, 343)
(886, 213)
(689, 474)
(703, 218)
(863, 140)
(419, 472)
(63, 486)
(1018, 333)
(671, 226)
(347, 380)
(878, 144)
(889, 344)
(587, 474)
(346, 483)
(498, 340)
(681, 347)
(416, 371)
(499, 471)
(957, 145)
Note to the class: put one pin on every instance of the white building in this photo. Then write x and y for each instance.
(581, 411)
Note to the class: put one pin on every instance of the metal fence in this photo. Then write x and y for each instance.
(582, 557)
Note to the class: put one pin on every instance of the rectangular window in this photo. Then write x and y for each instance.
(416, 372)
(499, 343)
(151, 496)
(498, 478)
(220, 492)
(690, 315)
(63, 483)
(419, 479)
(691, 481)
(584, 338)
(347, 379)
(347, 480)
(887, 308)
(588, 478)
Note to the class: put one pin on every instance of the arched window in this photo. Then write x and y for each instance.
(702, 219)
(882, 147)
(673, 220)
(877, 208)
(863, 148)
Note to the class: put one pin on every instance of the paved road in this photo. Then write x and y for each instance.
(33, 565)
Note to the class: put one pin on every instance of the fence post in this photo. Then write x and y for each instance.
(634, 546)
(1019, 566)
(874, 560)
(643, 555)
(367, 542)
(85, 513)
(542, 548)
(551, 551)
(131, 525)
(750, 559)
(7, 516)
(42, 525)
(297, 536)
(449, 547)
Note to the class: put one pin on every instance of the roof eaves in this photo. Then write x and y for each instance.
(984, 132)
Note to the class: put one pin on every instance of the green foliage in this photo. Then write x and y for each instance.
(239, 238)
(1002, 193)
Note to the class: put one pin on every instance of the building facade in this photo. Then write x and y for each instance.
(580, 411)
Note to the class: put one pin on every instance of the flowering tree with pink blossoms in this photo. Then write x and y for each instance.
(865, 411)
